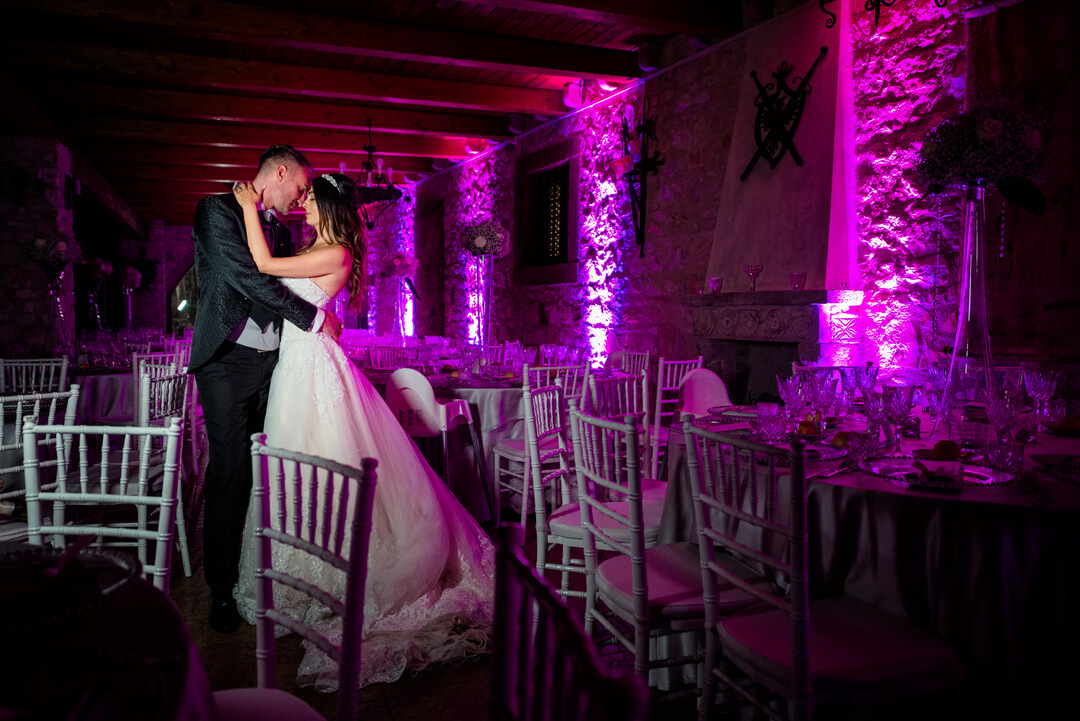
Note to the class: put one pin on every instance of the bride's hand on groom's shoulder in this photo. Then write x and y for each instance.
(246, 195)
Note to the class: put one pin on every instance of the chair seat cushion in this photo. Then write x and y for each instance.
(674, 577)
(267, 704)
(857, 652)
(565, 521)
(516, 449)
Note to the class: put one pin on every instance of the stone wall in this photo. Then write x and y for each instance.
(32, 183)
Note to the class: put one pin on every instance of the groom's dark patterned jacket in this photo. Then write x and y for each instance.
(229, 281)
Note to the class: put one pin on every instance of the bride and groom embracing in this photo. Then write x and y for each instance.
(431, 568)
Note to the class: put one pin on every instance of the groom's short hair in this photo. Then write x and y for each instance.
(283, 155)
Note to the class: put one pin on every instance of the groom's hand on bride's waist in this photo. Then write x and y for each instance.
(331, 326)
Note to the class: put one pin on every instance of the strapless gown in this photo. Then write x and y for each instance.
(430, 588)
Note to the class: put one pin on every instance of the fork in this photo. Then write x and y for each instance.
(1029, 483)
(848, 464)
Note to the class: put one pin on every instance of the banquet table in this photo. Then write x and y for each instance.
(95, 640)
(992, 571)
(106, 396)
(498, 412)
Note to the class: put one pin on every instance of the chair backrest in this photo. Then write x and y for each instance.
(412, 399)
(545, 418)
(388, 356)
(545, 668)
(741, 509)
(700, 390)
(669, 376)
(162, 397)
(617, 396)
(40, 375)
(44, 408)
(573, 379)
(113, 471)
(288, 491)
(181, 346)
(156, 365)
(634, 362)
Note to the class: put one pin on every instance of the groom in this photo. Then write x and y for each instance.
(233, 354)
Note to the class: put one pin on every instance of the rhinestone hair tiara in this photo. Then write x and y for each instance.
(334, 182)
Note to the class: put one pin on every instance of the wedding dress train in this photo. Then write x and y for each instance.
(430, 588)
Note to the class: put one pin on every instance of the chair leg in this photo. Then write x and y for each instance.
(481, 466)
(446, 459)
(181, 535)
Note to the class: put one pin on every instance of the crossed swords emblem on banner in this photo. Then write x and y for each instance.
(779, 109)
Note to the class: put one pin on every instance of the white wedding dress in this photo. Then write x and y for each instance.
(430, 588)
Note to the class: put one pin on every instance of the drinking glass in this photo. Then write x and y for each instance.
(794, 397)
(860, 446)
(848, 385)
(822, 393)
(770, 421)
(798, 281)
(752, 272)
(866, 378)
(874, 410)
(1040, 384)
(1001, 409)
(899, 401)
(715, 284)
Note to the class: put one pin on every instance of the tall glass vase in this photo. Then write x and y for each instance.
(971, 366)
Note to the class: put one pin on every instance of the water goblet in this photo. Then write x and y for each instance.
(860, 446)
(770, 422)
(874, 410)
(822, 393)
(899, 401)
(1001, 411)
(752, 272)
(1040, 384)
(798, 281)
(866, 377)
(848, 385)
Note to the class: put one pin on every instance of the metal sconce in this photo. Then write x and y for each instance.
(870, 6)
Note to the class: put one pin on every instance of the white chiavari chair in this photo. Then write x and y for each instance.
(545, 668)
(111, 471)
(39, 375)
(342, 541)
(669, 376)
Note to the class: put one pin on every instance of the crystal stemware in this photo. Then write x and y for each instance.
(752, 272)
(1040, 384)
(874, 410)
(866, 378)
(899, 401)
(822, 393)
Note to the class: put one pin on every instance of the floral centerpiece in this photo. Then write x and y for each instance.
(99, 268)
(990, 142)
(400, 264)
(54, 249)
(486, 237)
(132, 278)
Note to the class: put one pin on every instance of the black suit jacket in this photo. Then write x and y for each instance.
(229, 281)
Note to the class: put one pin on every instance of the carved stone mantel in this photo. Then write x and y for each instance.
(769, 316)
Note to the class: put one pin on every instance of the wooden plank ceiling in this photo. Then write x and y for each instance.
(171, 100)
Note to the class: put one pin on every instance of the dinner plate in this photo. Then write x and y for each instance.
(711, 423)
(1056, 430)
(928, 454)
(739, 411)
(899, 470)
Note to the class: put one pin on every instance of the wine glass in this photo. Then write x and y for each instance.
(866, 377)
(849, 383)
(1040, 384)
(874, 409)
(752, 272)
(899, 401)
(822, 393)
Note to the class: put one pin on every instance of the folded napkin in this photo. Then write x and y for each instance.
(935, 470)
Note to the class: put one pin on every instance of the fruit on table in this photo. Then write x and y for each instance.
(447, 368)
(455, 374)
(508, 374)
(945, 451)
(809, 428)
(841, 439)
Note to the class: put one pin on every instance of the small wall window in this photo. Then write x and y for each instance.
(545, 241)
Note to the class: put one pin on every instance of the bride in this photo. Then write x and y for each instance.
(429, 595)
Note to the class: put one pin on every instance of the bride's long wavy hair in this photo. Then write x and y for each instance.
(339, 221)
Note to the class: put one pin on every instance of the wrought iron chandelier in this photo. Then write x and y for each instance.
(375, 186)
(873, 6)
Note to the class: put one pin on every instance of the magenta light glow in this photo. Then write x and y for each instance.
(404, 239)
(481, 184)
(602, 225)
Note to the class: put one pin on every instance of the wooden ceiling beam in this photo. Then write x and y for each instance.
(106, 154)
(251, 136)
(118, 101)
(717, 18)
(144, 170)
(153, 69)
(305, 30)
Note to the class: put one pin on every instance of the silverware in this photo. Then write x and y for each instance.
(1029, 483)
(848, 464)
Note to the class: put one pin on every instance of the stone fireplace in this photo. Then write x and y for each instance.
(748, 338)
